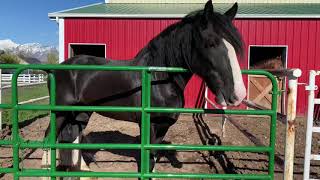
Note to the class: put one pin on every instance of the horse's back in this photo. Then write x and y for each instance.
(86, 60)
(110, 88)
(66, 79)
(92, 87)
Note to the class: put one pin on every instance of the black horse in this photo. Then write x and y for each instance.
(204, 42)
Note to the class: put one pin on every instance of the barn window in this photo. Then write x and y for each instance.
(266, 57)
(98, 50)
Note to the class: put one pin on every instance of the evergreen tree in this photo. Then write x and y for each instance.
(9, 59)
(52, 58)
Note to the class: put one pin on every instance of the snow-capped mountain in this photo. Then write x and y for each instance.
(7, 44)
(29, 50)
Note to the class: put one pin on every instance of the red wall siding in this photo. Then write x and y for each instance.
(301, 37)
(125, 37)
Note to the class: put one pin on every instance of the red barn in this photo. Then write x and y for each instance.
(289, 33)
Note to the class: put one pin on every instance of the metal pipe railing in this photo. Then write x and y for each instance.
(145, 147)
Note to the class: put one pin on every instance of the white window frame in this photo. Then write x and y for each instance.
(276, 46)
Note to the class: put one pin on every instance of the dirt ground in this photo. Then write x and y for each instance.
(188, 130)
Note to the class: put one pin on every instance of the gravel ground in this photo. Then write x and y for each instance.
(188, 130)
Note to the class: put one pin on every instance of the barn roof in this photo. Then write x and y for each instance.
(153, 10)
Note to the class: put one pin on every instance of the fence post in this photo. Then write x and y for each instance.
(311, 88)
(291, 115)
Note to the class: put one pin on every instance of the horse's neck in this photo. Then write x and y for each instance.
(146, 58)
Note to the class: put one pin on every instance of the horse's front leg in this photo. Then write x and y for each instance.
(158, 128)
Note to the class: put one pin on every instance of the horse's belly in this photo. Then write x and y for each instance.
(124, 116)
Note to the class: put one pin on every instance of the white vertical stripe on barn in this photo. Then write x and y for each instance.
(61, 39)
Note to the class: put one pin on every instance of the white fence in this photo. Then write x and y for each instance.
(310, 126)
(23, 78)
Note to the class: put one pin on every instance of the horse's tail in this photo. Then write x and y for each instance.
(48, 71)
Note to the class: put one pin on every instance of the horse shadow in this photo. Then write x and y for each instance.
(207, 137)
(117, 137)
(212, 139)
(112, 137)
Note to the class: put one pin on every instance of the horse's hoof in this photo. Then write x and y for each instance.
(88, 178)
(177, 164)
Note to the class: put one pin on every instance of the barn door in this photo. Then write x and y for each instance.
(266, 57)
(260, 89)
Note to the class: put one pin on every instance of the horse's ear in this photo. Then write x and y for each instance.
(231, 13)
(208, 10)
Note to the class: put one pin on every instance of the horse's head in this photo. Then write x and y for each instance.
(214, 57)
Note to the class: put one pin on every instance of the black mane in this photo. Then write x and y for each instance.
(164, 49)
(224, 27)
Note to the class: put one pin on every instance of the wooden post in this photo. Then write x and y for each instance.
(291, 116)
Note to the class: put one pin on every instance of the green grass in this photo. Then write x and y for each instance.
(25, 93)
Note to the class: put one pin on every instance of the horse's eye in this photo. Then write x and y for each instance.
(217, 41)
(214, 43)
(211, 45)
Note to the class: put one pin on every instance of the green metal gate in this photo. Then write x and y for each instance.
(18, 143)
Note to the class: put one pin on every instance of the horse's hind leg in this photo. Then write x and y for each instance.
(71, 132)
(69, 129)
(61, 117)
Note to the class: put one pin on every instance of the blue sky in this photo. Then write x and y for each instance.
(26, 21)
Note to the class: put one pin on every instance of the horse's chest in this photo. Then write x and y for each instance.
(165, 96)
(125, 90)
